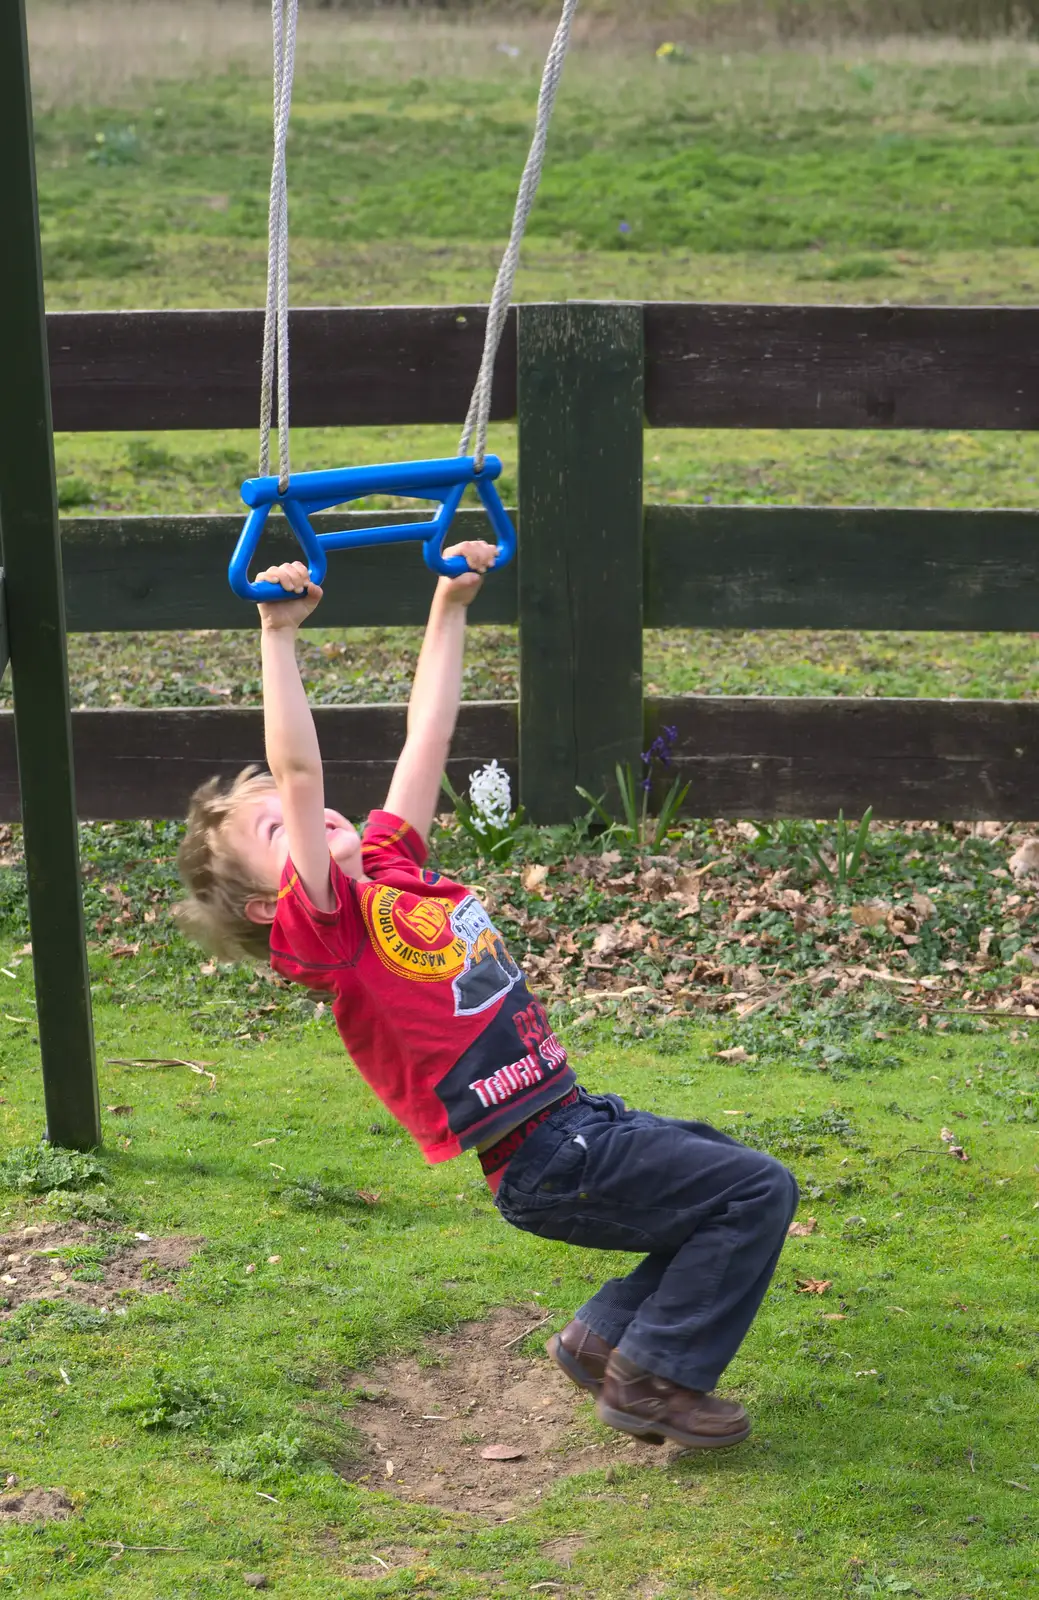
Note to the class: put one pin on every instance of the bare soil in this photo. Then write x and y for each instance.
(427, 1418)
(36, 1505)
(30, 1271)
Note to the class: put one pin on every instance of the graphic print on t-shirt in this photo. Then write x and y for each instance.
(435, 941)
(489, 971)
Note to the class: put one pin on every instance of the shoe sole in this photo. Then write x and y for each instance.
(569, 1364)
(658, 1433)
(572, 1368)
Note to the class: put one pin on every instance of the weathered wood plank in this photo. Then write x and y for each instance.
(351, 366)
(139, 573)
(759, 757)
(132, 763)
(5, 653)
(789, 567)
(730, 366)
(36, 628)
(580, 554)
(726, 366)
(705, 567)
(745, 756)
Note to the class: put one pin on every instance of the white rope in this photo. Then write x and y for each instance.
(480, 405)
(276, 318)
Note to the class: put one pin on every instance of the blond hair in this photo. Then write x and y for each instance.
(218, 882)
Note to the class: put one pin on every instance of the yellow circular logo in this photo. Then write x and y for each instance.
(415, 938)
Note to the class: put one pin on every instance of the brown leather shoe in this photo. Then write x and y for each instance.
(581, 1354)
(641, 1403)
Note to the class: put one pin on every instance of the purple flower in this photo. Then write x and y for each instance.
(660, 750)
(624, 227)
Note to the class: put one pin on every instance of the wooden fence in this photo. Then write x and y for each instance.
(596, 566)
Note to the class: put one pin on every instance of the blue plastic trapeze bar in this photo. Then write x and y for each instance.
(310, 492)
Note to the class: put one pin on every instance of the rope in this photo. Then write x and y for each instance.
(276, 316)
(479, 412)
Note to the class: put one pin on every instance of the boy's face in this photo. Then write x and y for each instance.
(256, 833)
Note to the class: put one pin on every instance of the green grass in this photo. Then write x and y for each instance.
(884, 1442)
(849, 173)
(893, 1415)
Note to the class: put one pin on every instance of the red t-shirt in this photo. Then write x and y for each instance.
(434, 1011)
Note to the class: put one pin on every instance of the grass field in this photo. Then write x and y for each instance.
(199, 1395)
(889, 171)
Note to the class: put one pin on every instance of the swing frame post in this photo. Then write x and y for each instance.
(35, 618)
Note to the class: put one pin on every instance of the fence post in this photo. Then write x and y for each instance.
(580, 403)
(36, 627)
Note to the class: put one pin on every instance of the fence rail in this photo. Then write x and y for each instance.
(703, 567)
(745, 756)
(596, 566)
(706, 366)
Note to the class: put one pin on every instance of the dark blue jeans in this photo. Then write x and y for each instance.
(709, 1214)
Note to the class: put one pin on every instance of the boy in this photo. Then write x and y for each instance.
(439, 1020)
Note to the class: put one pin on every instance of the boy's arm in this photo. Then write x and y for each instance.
(436, 693)
(293, 754)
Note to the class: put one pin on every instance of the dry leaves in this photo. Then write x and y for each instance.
(870, 913)
(532, 877)
(954, 1149)
(801, 1230)
(501, 1452)
(1025, 859)
(735, 1055)
(813, 1285)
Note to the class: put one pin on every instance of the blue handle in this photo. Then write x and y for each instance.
(311, 492)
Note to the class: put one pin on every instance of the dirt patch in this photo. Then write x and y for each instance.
(36, 1505)
(40, 1263)
(428, 1418)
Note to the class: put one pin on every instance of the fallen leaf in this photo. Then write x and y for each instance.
(947, 1136)
(255, 1580)
(958, 1152)
(870, 913)
(923, 905)
(737, 1053)
(834, 1316)
(814, 1285)
(1025, 859)
(371, 1197)
(801, 1230)
(389, 1469)
(501, 1452)
(868, 1372)
(119, 1111)
(532, 877)
(273, 1260)
(123, 949)
(251, 1267)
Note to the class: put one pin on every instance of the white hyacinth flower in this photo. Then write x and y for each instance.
(490, 795)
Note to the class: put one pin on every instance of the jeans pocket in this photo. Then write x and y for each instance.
(545, 1181)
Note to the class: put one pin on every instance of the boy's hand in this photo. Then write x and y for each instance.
(294, 578)
(480, 557)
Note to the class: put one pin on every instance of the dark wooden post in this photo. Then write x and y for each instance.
(580, 394)
(36, 626)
